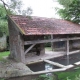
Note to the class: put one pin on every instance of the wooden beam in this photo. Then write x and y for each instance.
(29, 49)
(76, 51)
(50, 40)
(54, 63)
(77, 63)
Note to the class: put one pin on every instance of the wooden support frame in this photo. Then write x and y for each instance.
(76, 51)
(29, 49)
(54, 70)
(64, 68)
(48, 71)
(50, 40)
(54, 63)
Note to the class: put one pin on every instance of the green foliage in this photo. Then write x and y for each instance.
(2, 79)
(69, 75)
(3, 27)
(77, 77)
(3, 21)
(44, 77)
(2, 12)
(47, 44)
(70, 10)
(65, 3)
(3, 18)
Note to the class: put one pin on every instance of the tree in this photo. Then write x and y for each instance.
(70, 10)
(10, 7)
(16, 7)
(3, 21)
(27, 12)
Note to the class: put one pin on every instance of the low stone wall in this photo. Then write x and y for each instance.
(3, 43)
(11, 70)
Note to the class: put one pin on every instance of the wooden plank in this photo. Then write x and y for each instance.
(50, 40)
(77, 63)
(54, 63)
(69, 66)
(29, 49)
(76, 51)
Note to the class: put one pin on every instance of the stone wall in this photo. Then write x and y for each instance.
(14, 42)
(3, 44)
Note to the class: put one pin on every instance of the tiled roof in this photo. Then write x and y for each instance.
(44, 26)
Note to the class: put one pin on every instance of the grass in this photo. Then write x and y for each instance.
(71, 75)
(2, 54)
(48, 48)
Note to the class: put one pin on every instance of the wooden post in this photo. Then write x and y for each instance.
(67, 48)
(52, 42)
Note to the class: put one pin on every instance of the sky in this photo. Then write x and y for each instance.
(42, 8)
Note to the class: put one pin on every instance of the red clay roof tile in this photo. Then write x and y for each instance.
(45, 26)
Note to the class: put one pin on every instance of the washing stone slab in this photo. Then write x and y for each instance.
(10, 68)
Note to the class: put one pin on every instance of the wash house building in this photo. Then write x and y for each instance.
(28, 37)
